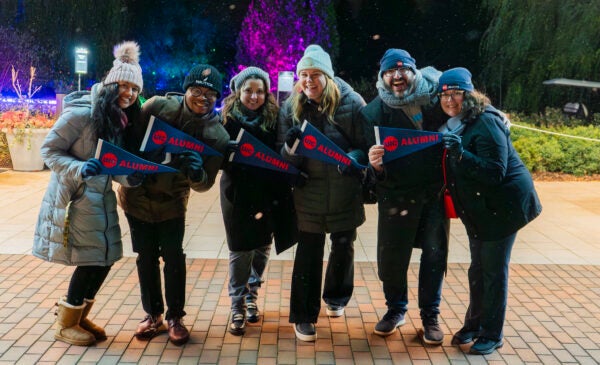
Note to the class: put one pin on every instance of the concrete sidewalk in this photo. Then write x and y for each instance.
(553, 314)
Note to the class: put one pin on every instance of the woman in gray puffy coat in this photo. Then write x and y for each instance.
(78, 223)
(331, 200)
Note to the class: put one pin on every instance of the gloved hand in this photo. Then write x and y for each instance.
(299, 180)
(136, 178)
(191, 165)
(452, 142)
(292, 135)
(91, 168)
(156, 156)
(232, 146)
(352, 170)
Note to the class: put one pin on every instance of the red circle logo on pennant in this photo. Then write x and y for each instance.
(247, 149)
(109, 160)
(159, 137)
(310, 142)
(390, 143)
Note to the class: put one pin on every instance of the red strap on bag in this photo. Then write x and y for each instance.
(448, 203)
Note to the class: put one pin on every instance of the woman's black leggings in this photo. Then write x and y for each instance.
(85, 283)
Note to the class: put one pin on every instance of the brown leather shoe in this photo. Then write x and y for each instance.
(149, 327)
(178, 334)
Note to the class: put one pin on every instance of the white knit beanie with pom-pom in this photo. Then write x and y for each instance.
(126, 65)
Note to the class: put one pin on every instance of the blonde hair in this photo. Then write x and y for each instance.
(268, 111)
(329, 101)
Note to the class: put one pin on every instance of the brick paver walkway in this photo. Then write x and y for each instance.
(553, 315)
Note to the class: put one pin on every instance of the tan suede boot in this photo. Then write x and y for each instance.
(88, 325)
(67, 325)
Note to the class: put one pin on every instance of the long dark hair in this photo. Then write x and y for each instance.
(106, 114)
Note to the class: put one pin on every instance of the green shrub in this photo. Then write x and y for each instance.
(553, 153)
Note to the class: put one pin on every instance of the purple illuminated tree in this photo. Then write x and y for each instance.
(275, 33)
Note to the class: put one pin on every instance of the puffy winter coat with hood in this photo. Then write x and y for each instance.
(92, 235)
(164, 196)
(493, 192)
(329, 202)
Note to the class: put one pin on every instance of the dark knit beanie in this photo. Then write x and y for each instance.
(394, 58)
(204, 76)
(458, 78)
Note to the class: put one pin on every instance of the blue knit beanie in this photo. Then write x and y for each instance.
(394, 57)
(315, 57)
(458, 78)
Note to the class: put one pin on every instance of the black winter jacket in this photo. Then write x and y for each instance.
(256, 203)
(329, 202)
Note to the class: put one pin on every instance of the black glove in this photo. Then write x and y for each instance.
(299, 180)
(91, 167)
(452, 142)
(136, 178)
(232, 146)
(156, 156)
(352, 169)
(191, 163)
(292, 135)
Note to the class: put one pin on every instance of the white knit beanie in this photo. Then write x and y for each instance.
(238, 80)
(315, 57)
(126, 65)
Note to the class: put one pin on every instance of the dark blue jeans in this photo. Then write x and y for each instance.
(427, 228)
(305, 297)
(488, 286)
(151, 241)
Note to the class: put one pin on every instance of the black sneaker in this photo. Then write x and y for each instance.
(485, 346)
(432, 333)
(463, 337)
(237, 326)
(390, 321)
(252, 313)
(334, 310)
(305, 331)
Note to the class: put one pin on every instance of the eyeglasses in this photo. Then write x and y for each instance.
(208, 94)
(454, 95)
(401, 70)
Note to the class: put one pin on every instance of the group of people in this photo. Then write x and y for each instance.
(476, 163)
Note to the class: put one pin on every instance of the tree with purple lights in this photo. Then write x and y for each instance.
(275, 33)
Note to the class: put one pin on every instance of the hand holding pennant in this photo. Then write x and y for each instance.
(316, 145)
(116, 161)
(252, 151)
(159, 134)
(399, 142)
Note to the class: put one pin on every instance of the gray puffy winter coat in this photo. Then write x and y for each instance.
(92, 235)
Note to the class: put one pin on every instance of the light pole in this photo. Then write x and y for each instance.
(80, 64)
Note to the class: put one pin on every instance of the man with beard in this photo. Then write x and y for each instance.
(410, 207)
(156, 209)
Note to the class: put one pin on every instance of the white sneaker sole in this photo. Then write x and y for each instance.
(399, 324)
(303, 337)
(334, 313)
